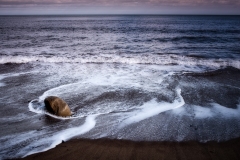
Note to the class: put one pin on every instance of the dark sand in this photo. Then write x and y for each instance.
(123, 149)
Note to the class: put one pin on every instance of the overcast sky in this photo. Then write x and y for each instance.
(18, 7)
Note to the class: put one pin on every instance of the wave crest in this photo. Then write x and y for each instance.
(154, 59)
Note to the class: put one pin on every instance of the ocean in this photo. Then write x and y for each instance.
(140, 78)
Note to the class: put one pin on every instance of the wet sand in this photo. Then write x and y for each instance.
(221, 87)
(123, 149)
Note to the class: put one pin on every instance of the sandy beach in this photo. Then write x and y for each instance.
(183, 131)
(123, 149)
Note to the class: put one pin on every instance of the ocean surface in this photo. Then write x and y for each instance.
(141, 78)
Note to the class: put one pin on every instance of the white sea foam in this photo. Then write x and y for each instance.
(224, 111)
(97, 81)
(202, 112)
(59, 137)
(103, 80)
(209, 111)
(152, 108)
(126, 59)
(64, 89)
(36, 108)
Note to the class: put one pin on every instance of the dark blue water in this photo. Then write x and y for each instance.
(199, 36)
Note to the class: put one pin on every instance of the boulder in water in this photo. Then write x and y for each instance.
(57, 106)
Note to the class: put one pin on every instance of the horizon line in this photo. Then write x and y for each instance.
(119, 14)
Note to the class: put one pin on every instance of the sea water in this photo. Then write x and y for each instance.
(141, 78)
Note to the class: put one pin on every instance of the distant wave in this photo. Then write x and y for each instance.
(155, 59)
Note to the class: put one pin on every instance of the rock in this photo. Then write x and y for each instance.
(57, 106)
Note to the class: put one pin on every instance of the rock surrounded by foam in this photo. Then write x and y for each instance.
(57, 106)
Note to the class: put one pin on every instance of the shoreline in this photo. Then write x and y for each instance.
(126, 149)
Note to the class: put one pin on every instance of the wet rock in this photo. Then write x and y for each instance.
(57, 106)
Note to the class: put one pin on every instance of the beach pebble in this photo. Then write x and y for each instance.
(57, 106)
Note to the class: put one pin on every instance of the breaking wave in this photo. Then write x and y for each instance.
(155, 59)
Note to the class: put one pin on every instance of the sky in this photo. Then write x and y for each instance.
(44, 7)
